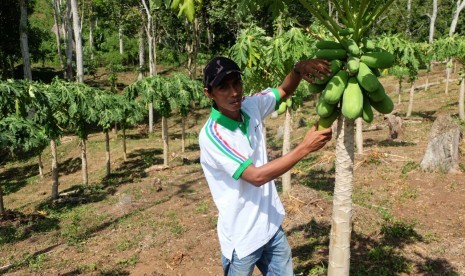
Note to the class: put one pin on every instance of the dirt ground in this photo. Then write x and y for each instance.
(150, 220)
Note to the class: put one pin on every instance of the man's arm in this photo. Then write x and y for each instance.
(305, 69)
(313, 141)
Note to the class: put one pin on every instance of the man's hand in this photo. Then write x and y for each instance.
(312, 69)
(315, 140)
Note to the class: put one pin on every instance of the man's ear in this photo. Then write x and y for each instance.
(207, 93)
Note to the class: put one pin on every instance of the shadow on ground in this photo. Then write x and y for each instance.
(369, 256)
(15, 178)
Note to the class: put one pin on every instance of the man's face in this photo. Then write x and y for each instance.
(228, 95)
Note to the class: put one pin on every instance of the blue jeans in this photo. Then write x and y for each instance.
(272, 259)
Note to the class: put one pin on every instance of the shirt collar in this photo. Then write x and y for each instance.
(227, 122)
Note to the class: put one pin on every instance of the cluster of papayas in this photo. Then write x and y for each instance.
(353, 87)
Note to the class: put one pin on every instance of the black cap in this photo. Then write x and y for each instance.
(217, 69)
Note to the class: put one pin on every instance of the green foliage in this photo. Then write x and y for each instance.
(78, 102)
(265, 61)
(247, 51)
(108, 106)
(185, 91)
(22, 107)
(20, 135)
(409, 56)
(167, 93)
(184, 7)
(446, 48)
(157, 91)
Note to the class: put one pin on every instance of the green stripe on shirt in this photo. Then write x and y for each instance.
(209, 134)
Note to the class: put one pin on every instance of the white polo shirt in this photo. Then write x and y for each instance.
(249, 216)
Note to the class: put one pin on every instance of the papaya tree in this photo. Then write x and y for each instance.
(21, 97)
(132, 113)
(445, 49)
(79, 98)
(162, 98)
(109, 110)
(56, 120)
(19, 135)
(40, 112)
(408, 58)
(187, 92)
(394, 44)
(352, 91)
(426, 50)
(412, 59)
(155, 90)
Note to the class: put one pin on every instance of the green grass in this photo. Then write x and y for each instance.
(409, 166)
(37, 262)
(202, 207)
(409, 192)
(131, 261)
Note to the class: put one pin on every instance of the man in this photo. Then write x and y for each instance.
(235, 164)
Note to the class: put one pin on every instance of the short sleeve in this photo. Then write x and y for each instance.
(267, 101)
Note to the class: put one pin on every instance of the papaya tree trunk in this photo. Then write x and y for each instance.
(150, 117)
(124, 143)
(107, 151)
(339, 246)
(410, 102)
(85, 175)
(164, 125)
(399, 91)
(115, 130)
(286, 177)
(183, 133)
(23, 29)
(53, 148)
(448, 69)
(359, 135)
(461, 99)
(41, 165)
(427, 81)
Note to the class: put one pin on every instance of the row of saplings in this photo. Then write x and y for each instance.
(353, 87)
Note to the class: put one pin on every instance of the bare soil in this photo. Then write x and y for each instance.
(150, 220)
